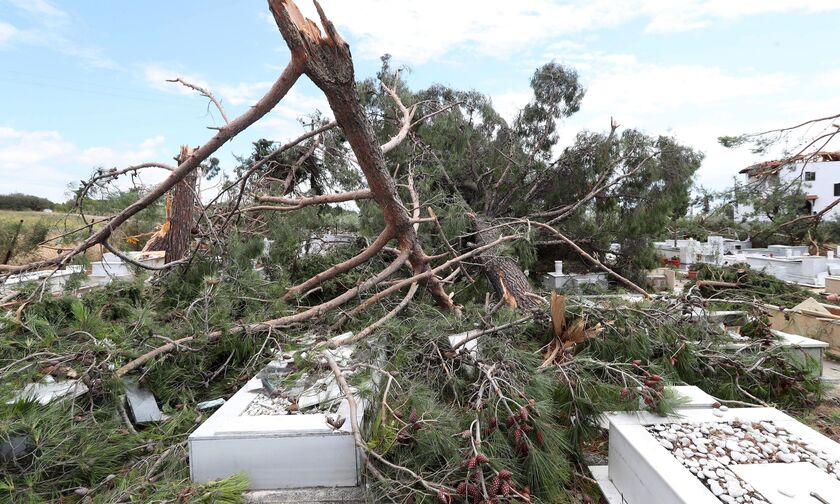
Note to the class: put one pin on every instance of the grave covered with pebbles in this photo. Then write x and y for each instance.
(711, 449)
(287, 427)
(285, 390)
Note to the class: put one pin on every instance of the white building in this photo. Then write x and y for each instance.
(819, 174)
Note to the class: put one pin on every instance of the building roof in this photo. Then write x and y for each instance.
(772, 167)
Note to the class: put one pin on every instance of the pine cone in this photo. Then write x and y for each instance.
(505, 488)
(412, 417)
(461, 489)
(481, 459)
(443, 497)
(505, 474)
(493, 422)
(471, 463)
(539, 437)
(474, 492)
(495, 485)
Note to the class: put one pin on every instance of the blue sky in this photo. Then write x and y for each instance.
(82, 83)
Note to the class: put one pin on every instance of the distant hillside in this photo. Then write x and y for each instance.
(19, 201)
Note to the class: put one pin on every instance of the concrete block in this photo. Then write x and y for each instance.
(352, 495)
(141, 405)
(53, 281)
(832, 284)
(789, 483)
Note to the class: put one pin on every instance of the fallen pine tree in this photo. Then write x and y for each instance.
(516, 416)
(510, 421)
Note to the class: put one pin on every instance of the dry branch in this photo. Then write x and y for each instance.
(344, 266)
(276, 93)
(298, 203)
(591, 259)
(422, 276)
(203, 92)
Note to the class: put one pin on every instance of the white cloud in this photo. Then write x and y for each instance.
(43, 162)
(417, 32)
(50, 28)
(157, 76)
(244, 93)
(7, 32)
(283, 122)
(651, 89)
(672, 16)
(695, 103)
(40, 8)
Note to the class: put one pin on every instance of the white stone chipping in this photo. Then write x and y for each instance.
(711, 450)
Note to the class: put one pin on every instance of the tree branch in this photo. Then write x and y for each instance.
(591, 259)
(203, 92)
(424, 275)
(278, 90)
(342, 267)
(298, 203)
(408, 115)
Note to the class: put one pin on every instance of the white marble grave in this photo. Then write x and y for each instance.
(113, 266)
(709, 456)
(557, 279)
(54, 281)
(274, 446)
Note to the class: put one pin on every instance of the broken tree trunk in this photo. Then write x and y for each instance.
(328, 63)
(175, 234)
(504, 273)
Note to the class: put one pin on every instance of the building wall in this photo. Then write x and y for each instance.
(826, 175)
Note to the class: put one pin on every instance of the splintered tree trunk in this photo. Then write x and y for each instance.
(328, 63)
(175, 234)
(504, 273)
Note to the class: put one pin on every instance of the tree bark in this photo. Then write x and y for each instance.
(176, 233)
(504, 273)
(328, 63)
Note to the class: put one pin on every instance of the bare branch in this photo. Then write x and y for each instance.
(591, 259)
(205, 93)
(426, 274)
(408, 115)
(296, 204)
(133, 262)
(344, 266)
(278, 90)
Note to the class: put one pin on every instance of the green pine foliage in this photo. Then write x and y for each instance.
(532, 420)
(750, 285)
